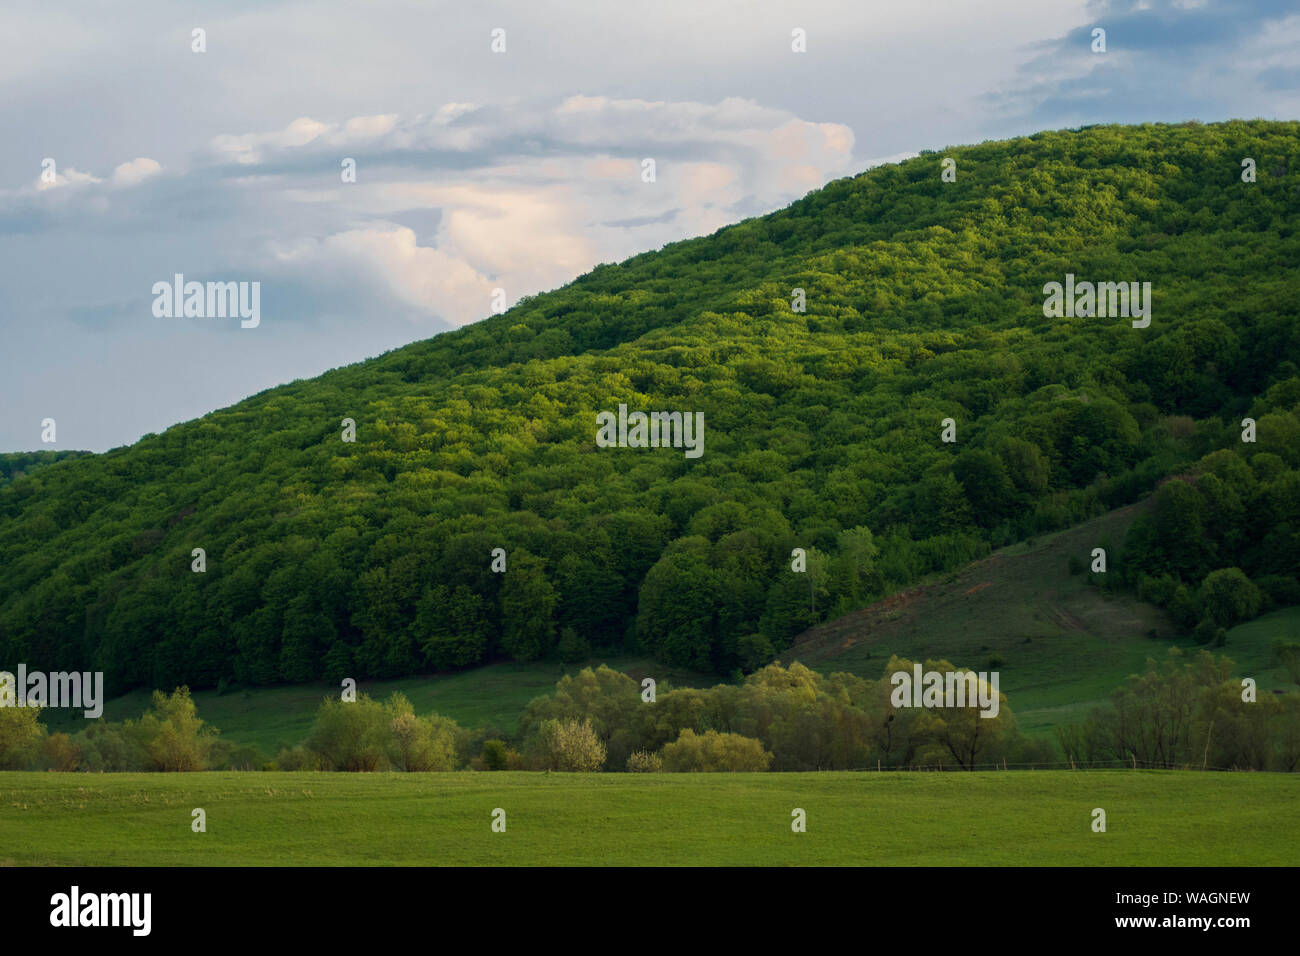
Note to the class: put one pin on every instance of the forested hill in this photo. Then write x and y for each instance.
(924, 301)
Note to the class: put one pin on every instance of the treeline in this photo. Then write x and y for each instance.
(1186, 714)
(777, 719)
(326, 559)
(1191, 714)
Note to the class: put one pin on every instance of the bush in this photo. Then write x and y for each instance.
(643, 761)
(715, 752)
(108, 748)
(568, 745)
(298, 758)
(1229, 596)
(58, 752)
(755, 651)
(352, 736)
(174, 737)
(1279, 590)
(420, 744)
(20, 736)
(494, 755)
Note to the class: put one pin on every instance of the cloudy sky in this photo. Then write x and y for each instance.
(478, 170)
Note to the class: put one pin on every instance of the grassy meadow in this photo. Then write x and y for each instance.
(853, 819)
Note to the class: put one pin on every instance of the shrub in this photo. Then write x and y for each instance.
(297, 758)
(494, 755)
(572, 648)
(569, 746)
(420, 744)
(1229, 596)
(110, 748)
(58, 752)
(20, 736)
(715, 752)
(352, 736)
(643, 761)
(174, 737)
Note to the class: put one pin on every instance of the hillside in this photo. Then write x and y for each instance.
(924, 301)
(1061, 643)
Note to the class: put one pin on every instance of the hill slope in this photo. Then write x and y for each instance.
(924, 301)
(1060, 642)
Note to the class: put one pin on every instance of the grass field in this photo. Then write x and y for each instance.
(862, 819)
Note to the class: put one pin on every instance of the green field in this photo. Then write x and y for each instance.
(857, 819)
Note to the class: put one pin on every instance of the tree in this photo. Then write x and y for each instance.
(715, 752)
(173, 734)
(1229, 597)
(527, 608)
(353, 736)
(20, 736)
(568, 745)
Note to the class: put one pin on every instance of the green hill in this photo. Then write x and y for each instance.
(924, 302)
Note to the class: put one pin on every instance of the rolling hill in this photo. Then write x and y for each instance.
(830, 347)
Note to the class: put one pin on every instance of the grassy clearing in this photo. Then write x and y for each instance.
(862, 819)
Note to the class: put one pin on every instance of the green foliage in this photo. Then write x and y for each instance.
(173, 736)
(21, 733)
(641, 761)
(1229, 597)
(715, 752)
(1189, 714)
(494, 755)
(365, 735)
(567, 745)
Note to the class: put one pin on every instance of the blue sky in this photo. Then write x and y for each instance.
(479, 170)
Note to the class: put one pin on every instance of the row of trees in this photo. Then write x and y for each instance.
(1182, 714)
(170, 736)
(1191, 714)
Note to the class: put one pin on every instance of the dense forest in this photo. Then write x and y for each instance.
(16, 464)
(923, 301)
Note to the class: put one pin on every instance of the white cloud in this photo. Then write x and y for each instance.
(533, 217)
(136, 171)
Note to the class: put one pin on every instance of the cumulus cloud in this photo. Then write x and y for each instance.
(525, 197)
(136, 171)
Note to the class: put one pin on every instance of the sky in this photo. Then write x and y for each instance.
(129, 157)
